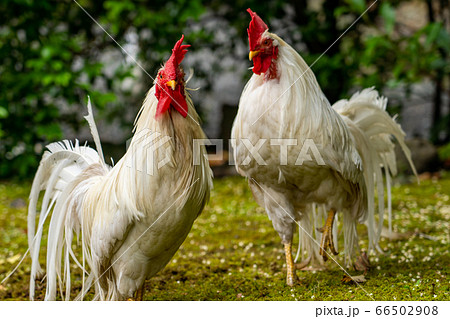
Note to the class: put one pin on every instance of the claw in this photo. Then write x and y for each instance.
(362, 262)
(327, 237)
(303, 264)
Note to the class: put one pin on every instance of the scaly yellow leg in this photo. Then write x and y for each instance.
(291, 277)
(139, 294)
(327, 236)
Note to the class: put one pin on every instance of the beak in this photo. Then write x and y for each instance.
(172, 84)
(252, 54)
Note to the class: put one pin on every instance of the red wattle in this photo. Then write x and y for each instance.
(169, 97)
(261, 63)
(179, 102)
(163, 104)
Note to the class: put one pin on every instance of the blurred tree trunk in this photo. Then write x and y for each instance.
(446, 22)
(439, 123)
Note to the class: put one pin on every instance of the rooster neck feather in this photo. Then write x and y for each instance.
(160, 149)
(294, 93)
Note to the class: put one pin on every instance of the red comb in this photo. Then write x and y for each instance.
(255, 29)
(179, 51)
(177, 56)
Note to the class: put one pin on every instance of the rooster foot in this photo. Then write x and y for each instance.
(40, 275)
(327, 236)
(291, 277)
(303, 264)
(138, 295)
(362, 263)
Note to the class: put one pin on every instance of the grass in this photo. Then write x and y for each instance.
(233, 253)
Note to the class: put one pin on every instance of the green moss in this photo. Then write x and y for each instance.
(233, 253)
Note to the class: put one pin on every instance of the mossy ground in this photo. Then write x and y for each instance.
(233, 253)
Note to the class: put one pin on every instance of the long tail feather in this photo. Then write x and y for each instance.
(60, 165)
(372, 129)
(90, 119)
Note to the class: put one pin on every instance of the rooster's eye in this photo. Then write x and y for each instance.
(160, 76)
(266, 42)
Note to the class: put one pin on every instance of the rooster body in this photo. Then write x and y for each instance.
(342, 168)
(351, 147)
(132, 217)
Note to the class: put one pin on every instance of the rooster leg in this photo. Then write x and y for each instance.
(291, 276)
(327, 236)
(139, 294)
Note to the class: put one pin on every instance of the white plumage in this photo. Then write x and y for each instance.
(130, 218)
(353, 138)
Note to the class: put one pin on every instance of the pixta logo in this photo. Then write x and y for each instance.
(149, 151)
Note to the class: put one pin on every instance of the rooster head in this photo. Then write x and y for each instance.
(170, 83)
(262, 47)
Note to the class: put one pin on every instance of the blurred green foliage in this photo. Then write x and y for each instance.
(444, 152)
(52, 55)
(50, 59)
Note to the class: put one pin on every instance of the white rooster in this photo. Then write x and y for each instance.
(303, 157)
(132, 217)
